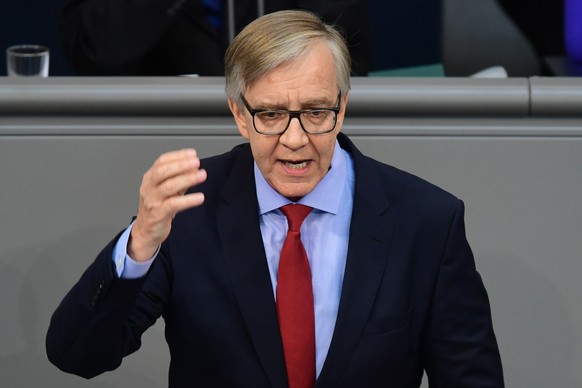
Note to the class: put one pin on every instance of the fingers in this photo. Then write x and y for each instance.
(162, 196)
(173, 198)
(173, 173)
(172, 165)
(170, 176)
(180, 203)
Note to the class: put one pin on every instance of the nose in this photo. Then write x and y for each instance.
(294, 137)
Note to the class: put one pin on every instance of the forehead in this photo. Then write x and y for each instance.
(309, 78)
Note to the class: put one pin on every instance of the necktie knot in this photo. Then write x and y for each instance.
(295, 214)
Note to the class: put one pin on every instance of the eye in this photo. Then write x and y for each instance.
(271, 115)
(316, 114)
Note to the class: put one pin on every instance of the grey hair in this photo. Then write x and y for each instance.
(278, 38)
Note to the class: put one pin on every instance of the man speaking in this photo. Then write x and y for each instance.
(292, 260)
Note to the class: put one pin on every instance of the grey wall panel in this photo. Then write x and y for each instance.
(69, 181)
(62, 199)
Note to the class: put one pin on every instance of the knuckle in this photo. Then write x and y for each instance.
(160, 159)
(168, 186)
(159, 173)
(147, 205)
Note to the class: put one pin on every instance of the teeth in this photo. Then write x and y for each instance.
(296, 166)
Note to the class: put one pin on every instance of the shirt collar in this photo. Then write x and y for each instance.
(325, 195)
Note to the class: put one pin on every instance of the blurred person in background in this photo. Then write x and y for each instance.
(177, 37)
(542, 22)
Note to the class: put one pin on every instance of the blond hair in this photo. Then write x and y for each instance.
(278, 38)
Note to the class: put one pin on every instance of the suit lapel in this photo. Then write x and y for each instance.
(369, 242)
(370, 238)
(240, 237)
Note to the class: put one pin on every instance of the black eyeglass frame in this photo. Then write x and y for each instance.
(292, 114)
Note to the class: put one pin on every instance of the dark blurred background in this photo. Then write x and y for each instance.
(33, 22)
(463, 35)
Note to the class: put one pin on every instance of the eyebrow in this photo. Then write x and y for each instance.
(317, 102)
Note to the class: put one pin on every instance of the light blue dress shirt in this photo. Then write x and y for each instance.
(324, 233)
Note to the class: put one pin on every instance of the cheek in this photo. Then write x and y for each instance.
(325, 152)
(263, 149)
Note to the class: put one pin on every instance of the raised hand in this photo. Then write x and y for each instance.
(161, 197)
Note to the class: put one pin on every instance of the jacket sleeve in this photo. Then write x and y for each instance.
(461, 348)
(102, 318)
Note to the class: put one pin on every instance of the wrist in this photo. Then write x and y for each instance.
(138, 249)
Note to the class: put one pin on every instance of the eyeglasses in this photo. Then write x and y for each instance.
(275, 122)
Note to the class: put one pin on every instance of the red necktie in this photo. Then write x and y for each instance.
(295, 303)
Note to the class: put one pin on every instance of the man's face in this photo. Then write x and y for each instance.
(295, 162)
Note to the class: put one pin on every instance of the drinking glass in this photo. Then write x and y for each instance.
(27, 61)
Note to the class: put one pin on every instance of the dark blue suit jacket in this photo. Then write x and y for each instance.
(411, 300)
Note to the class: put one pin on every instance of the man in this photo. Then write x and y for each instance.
(392, 286)
(175, 37)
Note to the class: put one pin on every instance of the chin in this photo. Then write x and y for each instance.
(294, 195)
(293, 191)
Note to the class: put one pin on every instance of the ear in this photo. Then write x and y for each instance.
(343, 104)
(239, 117)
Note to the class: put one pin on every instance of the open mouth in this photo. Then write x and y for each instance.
(295, 165)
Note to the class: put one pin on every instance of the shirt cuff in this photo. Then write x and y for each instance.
(125, 266)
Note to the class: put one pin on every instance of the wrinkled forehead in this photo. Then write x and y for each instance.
(312, 74)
